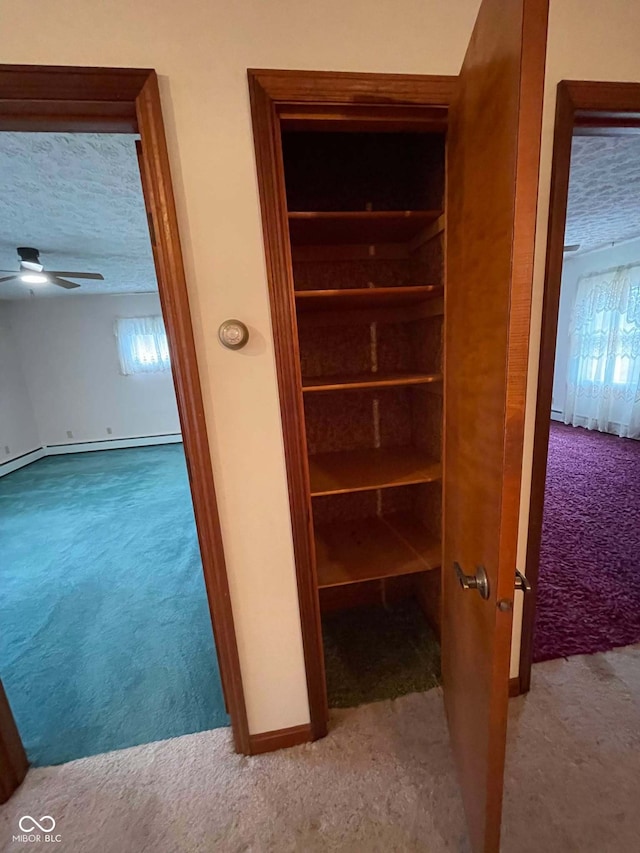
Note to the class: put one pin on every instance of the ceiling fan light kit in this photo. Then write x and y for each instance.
(34, 278)
(33, 272)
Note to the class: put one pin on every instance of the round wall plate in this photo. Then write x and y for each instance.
(233, 334)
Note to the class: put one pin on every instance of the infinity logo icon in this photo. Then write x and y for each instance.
(45, 824)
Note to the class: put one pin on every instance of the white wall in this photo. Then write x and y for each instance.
(570, 275)
(572, 270)
(70, 361)
(202, 50)
(18, 429)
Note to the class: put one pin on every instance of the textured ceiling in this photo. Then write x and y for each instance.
(77, 198)
(604, 191)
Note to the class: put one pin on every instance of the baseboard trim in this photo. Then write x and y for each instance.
(85, 447)
(514, 686)
(279, 739)
(112, 444)
(21, 461)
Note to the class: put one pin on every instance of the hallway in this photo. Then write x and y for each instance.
(381, 781)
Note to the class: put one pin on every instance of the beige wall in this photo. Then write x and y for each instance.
(597, 40)
(202, 49)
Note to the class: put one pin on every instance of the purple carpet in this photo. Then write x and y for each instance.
(589, 588)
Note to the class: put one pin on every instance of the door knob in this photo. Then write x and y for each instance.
(479, 581)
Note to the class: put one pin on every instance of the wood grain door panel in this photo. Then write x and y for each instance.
(493, 161)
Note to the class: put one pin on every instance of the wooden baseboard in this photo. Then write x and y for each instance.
(279, 739)
(514, 686)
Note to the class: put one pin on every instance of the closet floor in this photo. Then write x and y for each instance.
(375, 653)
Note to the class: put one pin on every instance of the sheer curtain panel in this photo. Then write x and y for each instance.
(603, 378)
(142, 345)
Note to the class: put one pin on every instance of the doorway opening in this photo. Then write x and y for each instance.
(106, 639)
(583, 548)
(101, 100)
(588, 600)
(358, 308)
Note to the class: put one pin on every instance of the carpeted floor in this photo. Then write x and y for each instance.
(381, 782)
(589, 589)
(375, 653)
(106, 640)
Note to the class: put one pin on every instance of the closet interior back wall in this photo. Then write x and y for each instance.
(366, 227)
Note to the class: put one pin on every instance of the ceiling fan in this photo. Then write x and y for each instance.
(33, 272)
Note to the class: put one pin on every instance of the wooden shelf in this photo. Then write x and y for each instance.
(363, 470)
(365, 297)
(373, 548)
(358, 226)
(368, 380)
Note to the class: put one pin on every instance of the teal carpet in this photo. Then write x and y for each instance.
(105, 636)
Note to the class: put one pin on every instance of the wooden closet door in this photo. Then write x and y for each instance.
(493, 160)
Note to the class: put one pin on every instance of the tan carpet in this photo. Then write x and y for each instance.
(382, 781)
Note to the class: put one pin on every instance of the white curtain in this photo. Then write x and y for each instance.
(142, 345)
(603, 377)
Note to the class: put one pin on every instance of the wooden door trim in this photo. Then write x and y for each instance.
(276, 93)
(60, 98)
(13, 758)
(580, 104)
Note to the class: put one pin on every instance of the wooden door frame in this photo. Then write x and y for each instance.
(591, 107)
(127, 100)
(324, 98)
(13, 758)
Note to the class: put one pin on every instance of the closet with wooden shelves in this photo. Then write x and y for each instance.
(403, 466)
(366, 227)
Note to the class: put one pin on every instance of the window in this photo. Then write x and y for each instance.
(142, 345)
(603, 381)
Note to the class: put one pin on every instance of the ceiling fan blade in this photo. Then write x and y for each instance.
(7, 277)
(94, 275)
(62, 282)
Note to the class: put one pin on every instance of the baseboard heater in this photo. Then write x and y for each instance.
(20, 461)
(85, 447)
(112, 443)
